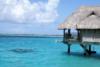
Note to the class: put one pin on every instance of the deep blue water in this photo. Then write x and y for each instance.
(47, 52)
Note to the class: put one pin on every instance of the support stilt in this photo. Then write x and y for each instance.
(87, 52)
(69, 48)
(90, 50)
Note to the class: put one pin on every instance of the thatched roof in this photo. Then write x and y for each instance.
(84, 18)
(92, 22)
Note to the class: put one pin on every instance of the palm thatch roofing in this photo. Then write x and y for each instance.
(86, 17)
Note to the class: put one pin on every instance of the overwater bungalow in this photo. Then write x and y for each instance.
(86, 21)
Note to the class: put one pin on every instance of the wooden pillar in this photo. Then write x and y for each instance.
(78, 35)
(64, 33)
(90, 50)
(69, 45)
(69, 33)
(86, 51)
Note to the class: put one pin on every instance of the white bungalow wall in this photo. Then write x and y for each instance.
(90, 35)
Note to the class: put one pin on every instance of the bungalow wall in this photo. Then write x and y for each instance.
(91, 35)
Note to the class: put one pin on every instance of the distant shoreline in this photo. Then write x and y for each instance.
(28, 35)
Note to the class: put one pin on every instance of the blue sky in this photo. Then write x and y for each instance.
(37, 16)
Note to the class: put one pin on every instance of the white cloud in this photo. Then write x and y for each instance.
(23, 11)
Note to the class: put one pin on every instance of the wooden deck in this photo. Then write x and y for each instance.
(86, 45)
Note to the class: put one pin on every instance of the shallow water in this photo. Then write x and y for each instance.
(46, 52)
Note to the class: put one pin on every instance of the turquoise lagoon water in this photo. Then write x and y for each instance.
(46, 52)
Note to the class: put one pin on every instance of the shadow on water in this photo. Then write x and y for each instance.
(20, 50)
(81, 55)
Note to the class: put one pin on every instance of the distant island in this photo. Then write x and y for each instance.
(29, 35)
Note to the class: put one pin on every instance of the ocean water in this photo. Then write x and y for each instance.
(45, 52)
